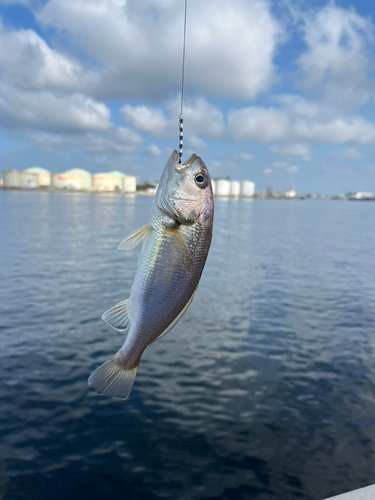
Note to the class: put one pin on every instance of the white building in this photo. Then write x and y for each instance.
(129, 184)
(12, 178)
(235, 188)
(108, 181)
(68, 180)
(247, 189)
(222, 187)
(43, 177)
(290, 193)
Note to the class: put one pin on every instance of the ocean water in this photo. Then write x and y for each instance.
(265, 390)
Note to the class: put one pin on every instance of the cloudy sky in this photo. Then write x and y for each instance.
(280, 92)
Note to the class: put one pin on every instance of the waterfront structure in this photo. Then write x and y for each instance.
(290, 193)
(235, 188)
(247, 189)
(68, 180)
(83, 173)
(108, 181)
(29, 180)
(35, 177)
(129, 184)
(222, 187)
(12, 178)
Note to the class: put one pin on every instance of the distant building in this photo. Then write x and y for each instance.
(213, 184)
(222, 187)
(83, 173)
(108, 181)
(69, 180)
(35, 177)
(12, 178)
(235, 188)
(129, 184)
(361, 195)
(247, 189)
(290, 193)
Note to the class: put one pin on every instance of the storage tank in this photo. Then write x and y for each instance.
(83, 173)
(12, 178)
(213, 184)
(247, 189)
(129, 184)
(222, 187)
(108, 181)
(235, 188)
(29, 180)
(68, 180)
(44, 175)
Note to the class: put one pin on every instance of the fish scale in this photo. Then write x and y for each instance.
(174, 252)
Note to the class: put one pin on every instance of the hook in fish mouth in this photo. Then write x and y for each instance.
(181, 167)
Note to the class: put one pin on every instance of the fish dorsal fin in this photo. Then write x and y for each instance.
(136, 237)
(177, 319)
(118, 316)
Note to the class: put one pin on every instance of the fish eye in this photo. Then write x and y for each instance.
(201, 180)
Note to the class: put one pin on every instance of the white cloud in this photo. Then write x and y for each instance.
(148, 120)
(268, 172)
(244, 157)
(350, 153)
(138, 50)
(337, 59)
(153, 150)
(27, 62)
(48, 111)
(285, 167)
(257, 124)
(200, 117)
(296, 149)
(195, 142)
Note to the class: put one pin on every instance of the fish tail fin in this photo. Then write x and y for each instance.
(113, 379)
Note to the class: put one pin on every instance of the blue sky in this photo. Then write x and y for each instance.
(277, 92)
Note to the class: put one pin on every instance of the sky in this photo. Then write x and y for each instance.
(278, 92)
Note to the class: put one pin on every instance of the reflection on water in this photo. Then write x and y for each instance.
(264, 390)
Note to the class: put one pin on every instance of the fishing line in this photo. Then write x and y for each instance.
(182, 91)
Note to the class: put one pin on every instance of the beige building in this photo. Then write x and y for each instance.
(108, 181)
(35, 175)
(129, 184)
(68, 181)
(12, 178)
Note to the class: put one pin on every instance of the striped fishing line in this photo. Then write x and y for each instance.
(182, 91)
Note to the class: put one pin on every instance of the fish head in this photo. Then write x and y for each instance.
(185, 191)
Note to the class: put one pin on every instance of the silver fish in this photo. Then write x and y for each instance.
(174, 251)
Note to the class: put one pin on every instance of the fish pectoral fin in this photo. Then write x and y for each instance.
(113, 379)
(136, 237)
(118, 316)
(178, 317)
(180, 240)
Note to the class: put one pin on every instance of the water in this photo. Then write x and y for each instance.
(265, 390)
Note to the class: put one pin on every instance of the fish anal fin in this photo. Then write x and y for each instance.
(113, 379)
(177, 319)
(136, 237)
(118, 316)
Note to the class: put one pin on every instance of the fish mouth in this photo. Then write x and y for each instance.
(181, 167)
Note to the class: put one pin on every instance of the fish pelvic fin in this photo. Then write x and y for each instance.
(136, 237)
(118, 316)
(113, 379)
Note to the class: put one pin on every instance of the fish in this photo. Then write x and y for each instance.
(175, 244)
